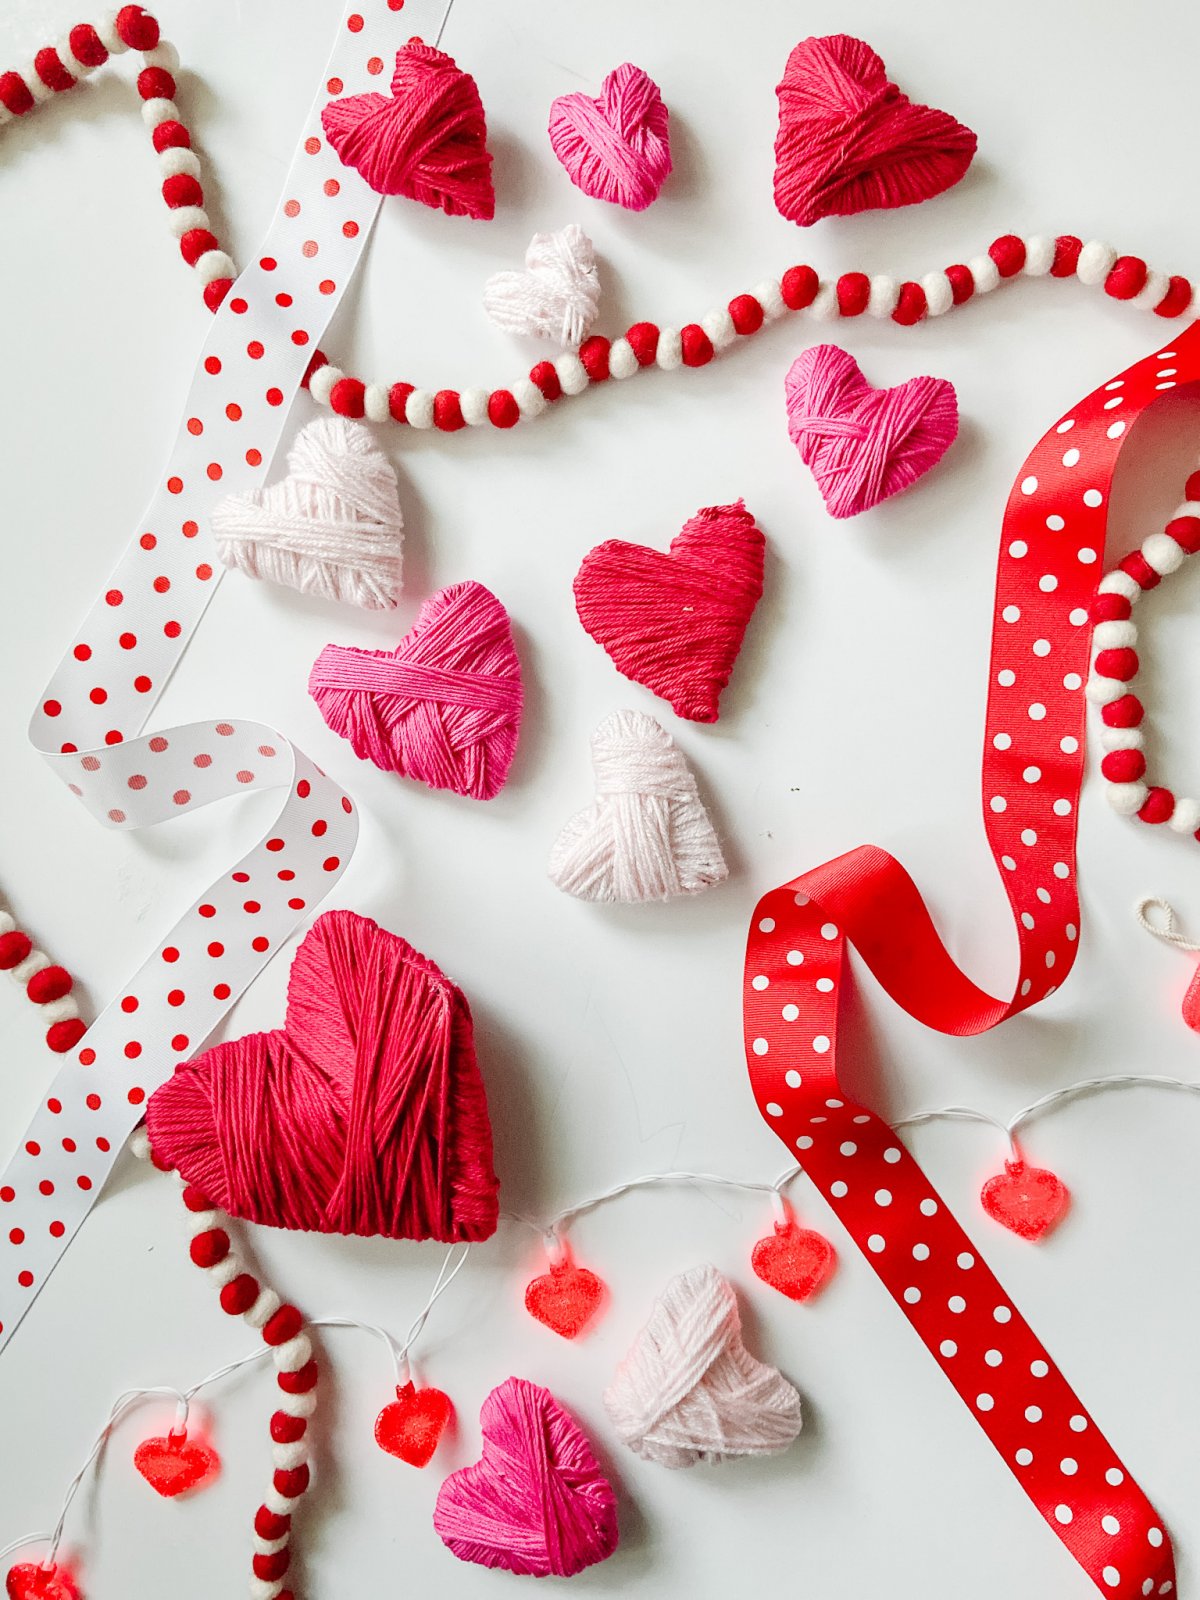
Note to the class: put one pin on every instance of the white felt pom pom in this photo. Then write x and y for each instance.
(669, 353)
(884, 296)
(572, 374)
(939, 293)
(1127, 798)
(1039, 255)
(473, 403)
(769, 295)
(1186, 816)
(214, 264)
(1163, 554)
(1096, 261)
(622, 362)
(558, 294)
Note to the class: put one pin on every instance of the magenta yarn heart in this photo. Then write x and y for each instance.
(615, 147)
(536, 1502)
(444, 707)
(863, 444)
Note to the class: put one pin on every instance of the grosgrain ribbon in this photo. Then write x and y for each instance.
(1052, 547)
(89, 723)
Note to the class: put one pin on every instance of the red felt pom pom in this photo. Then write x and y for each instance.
(270, 1568)
(14, 947)
(284, 1325)
(300, 1381)
(1110, 608)
(593, 353)
(1008, 253)
(291, 1482)
(155, 83)
(286, 1429)
(269, 1524)
(1186, 530)
(239, 1295)
(195, 243)
(50, 69)
(181, 189)
(51, 983)
(853, 293)
(1159, 806)
(1176, 300)
(747, 313)
(696, 345)
(911, 306)
(210, 1247)
(643, 341)
(137, 28)
(1127, 278)
(447, 411)
(398, 400)
(15, 94)
(1066, 255)
(1121, 664)
(1135, 566)
(86, 45)
(1127, 712)
(545, 375)
(1123, 766)
(799, 287)
(171, 136)
(348, 397)
(65, 1035)
(962, 282)
(503, 410)
(215, 292)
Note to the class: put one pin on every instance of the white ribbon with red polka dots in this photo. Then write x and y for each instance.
(89, 723)
(1052, 542)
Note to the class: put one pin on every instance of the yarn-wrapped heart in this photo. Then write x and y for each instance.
(647, 835)
(364, 1114)
(443, 707)
(863, 444)
(690, 1391)
(617, 146)
(674, 621)
(536, 1502)
(427, 140)
(556, 297)
(333, 527)
(850, 141)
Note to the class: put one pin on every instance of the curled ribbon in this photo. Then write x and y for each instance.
(1051, 545)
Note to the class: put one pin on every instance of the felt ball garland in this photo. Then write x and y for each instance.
(49, 986)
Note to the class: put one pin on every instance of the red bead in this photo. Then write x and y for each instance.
(1120, 664)
(1185, 530)
(1008, 252)
(447, 411)
(853, 293)
(1127, 278)
(1066, 255)
(65, 1035)
(300, 1381)
(292, 1481)
(1159, 806)
(239, 1295)
(799, 287)
(962, 282)
(15, 94)
(51, 983)
(155, 83)
(347, 397)
(642, 339)
(1177, 298)
(14, 947)
(1139, 569)
(503, 410)
(1123, 766)
(171, 136)
(593, 353)
(1191, 489)
(270, 1568)
(545, 375)
(86, 45)
(137, 28)
(195, 243)
(319, 360)
(215, 292)
(398, 399)
(1110, 608)
(49, 68)
(746, 312)
(181, 189)
(270, 1524)
(696, 345)
(286, 1429)
(1126, 712)
(911, 306)
(284, 1325)
(210, 1247)
(195, 1199)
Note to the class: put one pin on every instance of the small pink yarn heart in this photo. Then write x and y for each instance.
(615, 147)
(444, 707)
(537, 1502)
(863, 444)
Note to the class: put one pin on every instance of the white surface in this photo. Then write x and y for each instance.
(610, 1039)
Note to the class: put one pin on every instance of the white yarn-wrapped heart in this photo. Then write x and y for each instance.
(333, 527)
(557, 297)
(690, 1391)
(647, 836)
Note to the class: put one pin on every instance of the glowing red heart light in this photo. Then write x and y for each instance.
(566, 1298)
(411, 1426)
(176, 1464)
(32, 1581)
(794, 1260)
(1191, 1002)
(1026, 1200)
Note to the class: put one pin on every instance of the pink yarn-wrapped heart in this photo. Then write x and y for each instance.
(427, 140)
(863, 444)
(444, 707)
(615, 147)
(537, 1502)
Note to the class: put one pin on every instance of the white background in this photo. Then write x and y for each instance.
(609, 1039)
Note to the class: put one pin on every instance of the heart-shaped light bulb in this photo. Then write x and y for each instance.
(411, 1426)
(1026, 1200)
(32, 1581)
(175, 1465)
(566, 1298)
(1191, 1002)
(794, 1260)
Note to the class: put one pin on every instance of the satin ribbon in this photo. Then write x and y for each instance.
(1051, 555)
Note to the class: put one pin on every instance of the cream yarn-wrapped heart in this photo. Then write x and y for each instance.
(648, 836)
(556, 297)
(333, 527)
(690, 1391)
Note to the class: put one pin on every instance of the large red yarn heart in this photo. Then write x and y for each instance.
(173, 1464)
(364, 1114)
(537, 1502)
(427, 140)
(851, 141)
(674, 622)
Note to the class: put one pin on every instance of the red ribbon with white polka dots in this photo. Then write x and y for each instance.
(1053, 538)
(89, 723)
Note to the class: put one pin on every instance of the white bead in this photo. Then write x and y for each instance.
(473, 404)
(825, 304)
(718, 325)
(223, 1272)
(1163, 554)
(1189, 508)
(288, 1456)
(269, 1547)
(769, 295)
(1151, 292)
(214, 264)
(884, 296)
(163, 55)
(1095, 262)
(156, 111)
(184, 218)
(298, 1405)
(1122, 739)
(7, 922)
(1119, 583)
(418, 409)
(60, 1010)
(35, 961)
(6, 116)
(622, 362)
(985, 272)
(669, 354)
(531, 402)
(1127, 798)
(1103, 691)
(40, 91)
(293, 1354)
(1186, 816)
(204, 1221)
(939, 293)
(1114, 636)
(572, 373)
(376, 403)
(281, 1504)
(77, 68)
(139, 1144)
(261, 1590)
(1039, 255)
(109, 37)
(320, 385)
(263, 1309)
(175, 159)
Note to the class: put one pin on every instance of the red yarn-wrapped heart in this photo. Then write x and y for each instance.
(443, 707)
(426, 141)
(31, 1581)
(849, 140)
(174, 1464)
(537, 1502)
(364, 1114)
(411, 1426)
(674, 622)
(1026, 1200)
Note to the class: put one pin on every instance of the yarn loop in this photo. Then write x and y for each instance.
(558, 294)
(615, 147)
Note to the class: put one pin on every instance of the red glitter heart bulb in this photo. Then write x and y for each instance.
(174, 1465)
(1026, 1200)
(794, 1260)
(411, 1426)
(566, 1298)
(1191, 1002)
(31, 1581)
